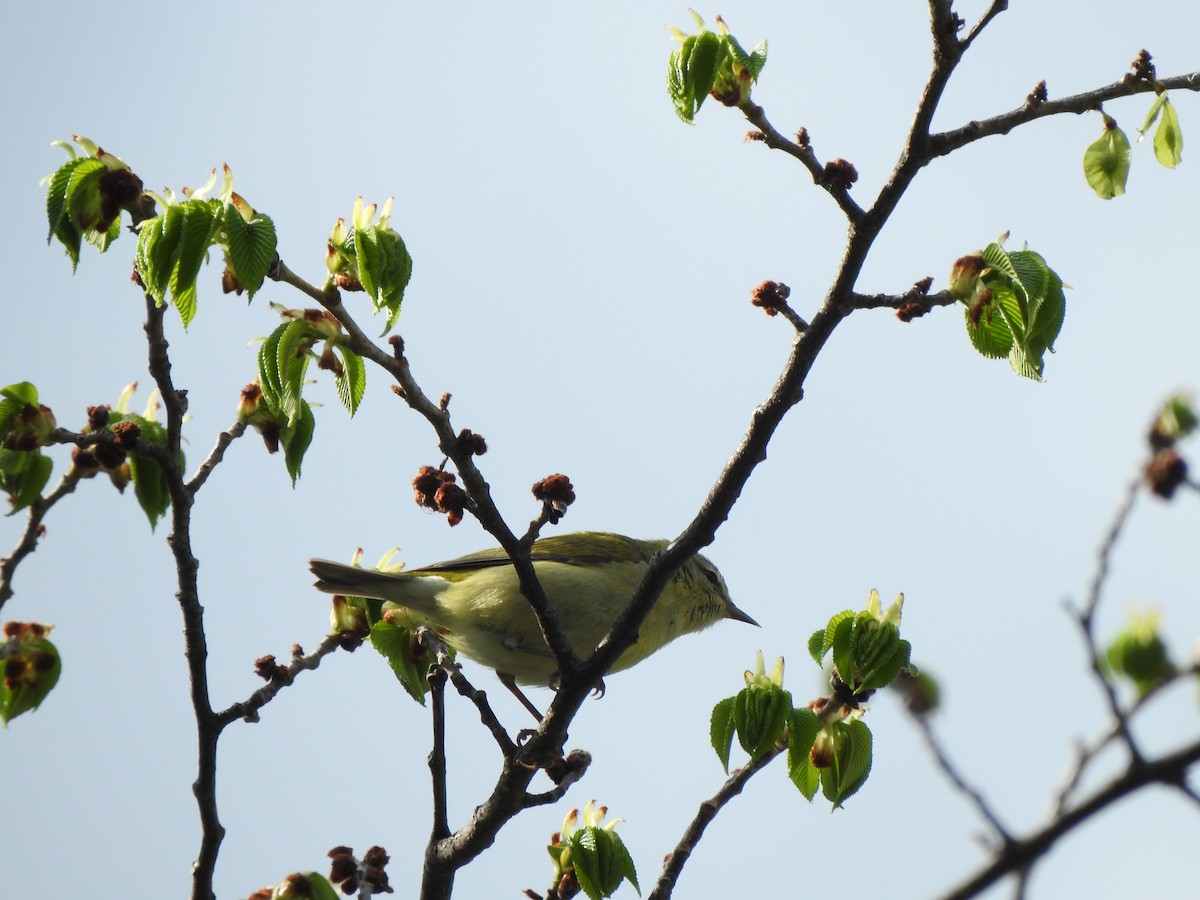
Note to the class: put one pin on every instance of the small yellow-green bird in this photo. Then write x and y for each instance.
(476, 605)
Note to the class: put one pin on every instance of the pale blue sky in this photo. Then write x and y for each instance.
(583, 263)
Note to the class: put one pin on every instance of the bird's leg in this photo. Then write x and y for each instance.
(511, 683)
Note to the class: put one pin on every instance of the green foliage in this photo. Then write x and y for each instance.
(173, 246)
(371, 256)
(250, 244)
(1139, 654)
(398, 645)
(868, 652)
(25, 427)
(1168, 138)
(1106, 161)
(593, 853)
(84, 198)
(711, 63)
(803, 727)
(1177, 419)
(1015, 306)
(30, 664)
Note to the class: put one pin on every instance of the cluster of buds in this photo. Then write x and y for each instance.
(470, 443)
(351, 875)
(266, 668)
(107, 455)
(840, 173)
(1143, 69)
(556, 493)
(438, 489)
(1167, 469)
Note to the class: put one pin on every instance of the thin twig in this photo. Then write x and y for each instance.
(33, 530)
(248, 709)
(674, 863)
(960, 783)
(997, 7)
(224, 439)
(1085, 618)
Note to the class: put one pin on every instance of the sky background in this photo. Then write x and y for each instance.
(582, 269)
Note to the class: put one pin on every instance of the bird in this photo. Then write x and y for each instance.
(475, 603)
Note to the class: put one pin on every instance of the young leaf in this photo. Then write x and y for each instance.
(395, 644)
(760, 715)
(352, 383)
(84, 203)
(721, 730)
(61, 226)
(1106, 162)
(291, 362)
(1168, 139)
(23, 475)
(802, 731)
(30, 672)
(149, 487)
(601, 862)
(251, 247)
(198, 222)
(296, 437)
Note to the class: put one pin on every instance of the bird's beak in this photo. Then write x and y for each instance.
(736, 614)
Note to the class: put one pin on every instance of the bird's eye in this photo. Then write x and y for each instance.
(713, 578)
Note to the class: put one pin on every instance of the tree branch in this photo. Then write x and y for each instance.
(33, 530)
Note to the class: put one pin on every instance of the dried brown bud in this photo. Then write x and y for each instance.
(1037, 96)
(451, 499)
(126, 434)
(266, 668)
(230, 284)
(397, 343)
(802, 136)
(1166, 471)
(840, 174)
(470, 443)
(376, 856)
(922, 287)
(97, 417)
(347, 282)
(910, 311)
(426, 484)
(110, 456)
(84, 461)
(755, 136)
(770, 296)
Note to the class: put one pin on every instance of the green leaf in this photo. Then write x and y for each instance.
(353, 381)
(199, 220)
(396, 645)
(1168, 139)
(851, 763)
(384, 268)
(30, 672)
(701, 68)
(827, 636)
(61, 226)
(23, 392)
(1106, 162)
(268, 368)
(23, 475)
(721, 730)
(149, 487)
(843, 651)
(157, 242)
(760, 715)
(83, 200)
(677, 80)
(601, 862)
(1152, 114)
(295, 438)
(816, 647)
(802, 731)
(251, 247)
(291, 362)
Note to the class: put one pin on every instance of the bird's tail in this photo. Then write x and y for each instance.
(351, 581)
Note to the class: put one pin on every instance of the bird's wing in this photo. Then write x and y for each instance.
(586, 548)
